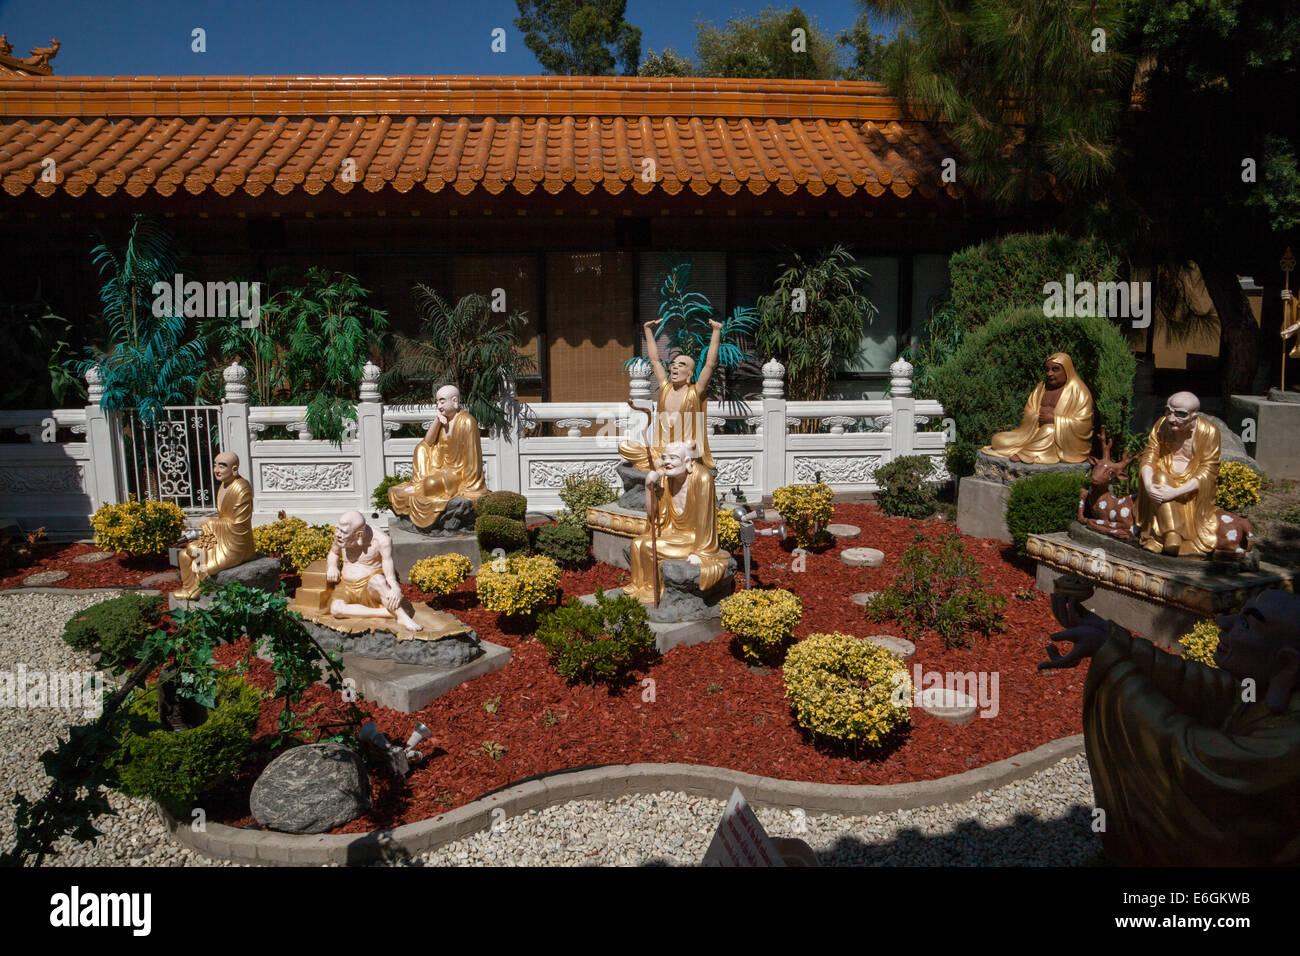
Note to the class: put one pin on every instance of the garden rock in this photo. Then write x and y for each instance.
(450, 651)
(844, 530)
(862, 557)
(94, 557)
(633, 479)
(682, 598)
(1007, 472)
(862, 597)
(263, 573)
(904, 650)
(1231, 447)
(163, 577)
(311, 789)
(42, 578)
(949, 705)
(457, 518)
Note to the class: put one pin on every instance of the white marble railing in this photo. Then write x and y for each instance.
(754, 443)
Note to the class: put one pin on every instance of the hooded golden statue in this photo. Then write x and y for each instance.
(686, 520)
(448, 463)
(1181, 459)
(1057, 425)
(225, 540)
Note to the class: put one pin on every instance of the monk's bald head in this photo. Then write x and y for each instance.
(1181, 411)
(225, 466)
(351, 528)
(448, 400)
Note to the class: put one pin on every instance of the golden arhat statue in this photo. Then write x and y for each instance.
(1180, 472)
(225, 540)
(1290, 312)
(1057, 424)
(448, 463)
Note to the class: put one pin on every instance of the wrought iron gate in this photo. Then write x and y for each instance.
(170, 458)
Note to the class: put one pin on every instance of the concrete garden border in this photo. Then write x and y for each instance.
(605, 783)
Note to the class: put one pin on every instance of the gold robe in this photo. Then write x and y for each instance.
(225, 541)
(690, 422)
(692, 531)
(451, 468)
(1066, 439)
(1192, 515)
(1187, 773)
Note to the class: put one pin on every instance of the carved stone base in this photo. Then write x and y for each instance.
(457, 518)
(452, 650)
(411, 546)
(611, 527)
(410, 687)
(1006, 471)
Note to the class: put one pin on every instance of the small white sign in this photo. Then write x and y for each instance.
(740, 839)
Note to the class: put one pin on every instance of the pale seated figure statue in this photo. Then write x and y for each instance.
(1193, 765)
(225, 540)
(681, 406)
(685, 522)
(1180, 471)
(360, 566)
(1057, 423)
(448, 464)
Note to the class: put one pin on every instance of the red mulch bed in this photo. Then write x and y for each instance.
(710, 707)
(121, 570)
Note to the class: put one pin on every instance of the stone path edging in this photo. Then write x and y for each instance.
(604, 783)
(39, 589)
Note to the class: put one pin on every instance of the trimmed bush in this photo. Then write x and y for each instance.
(565, 544)
(986, 382)
(498, 531)
(274, 539)
(579, 493)
(763, 619)
(806, 510)
(1200, 643)
(441, 574)
(507, 504)
(846, 689)
(939, 588)
(175, 767)
(116, 626)
(379, 497)
(310, 544)
(597, 642)
(906, 487)
(1043, 504)
(1237, 488)
(521, 587)
(728, 531)
(138, 527)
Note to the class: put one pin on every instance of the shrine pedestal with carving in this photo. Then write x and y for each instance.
(1154, 596)
(982, 497)
(1277, 430)
(411, 546)
(612, 527)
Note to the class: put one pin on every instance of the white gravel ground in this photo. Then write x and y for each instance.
(1042, 820)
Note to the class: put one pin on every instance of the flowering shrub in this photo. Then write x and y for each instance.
(138, 527)
(308, 545)
(762, 619)
(845, 688)
(806, 509)
(600, 642)
(522, 586)
(1200, 643)
(440, 575)
(274, 538)
(728, 531)
(1238, 487)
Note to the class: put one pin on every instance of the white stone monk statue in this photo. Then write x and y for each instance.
(448, 464)
(1180, 473)
(366, 583)
(681, 406)
(685, 520)
(1057, 424)
(225, 540)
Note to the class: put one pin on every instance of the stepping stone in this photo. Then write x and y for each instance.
(862, 557)
(950, 706)
(862, 597)
(904, 650)
(94, 557)
(163, 578)
(844, 530)
(42, 578)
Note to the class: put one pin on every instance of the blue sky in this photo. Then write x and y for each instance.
(152, 37)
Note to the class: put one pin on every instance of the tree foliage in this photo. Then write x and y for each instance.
(763, 46)
(686, 314)
(866, 50)
(580, 37)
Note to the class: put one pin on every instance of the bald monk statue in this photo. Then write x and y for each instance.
(1180, 473)
(1057, 424)
(360, 566)
(1193, 765)
(685, 518)
(681, 407)
(225, 540)
(448, 464)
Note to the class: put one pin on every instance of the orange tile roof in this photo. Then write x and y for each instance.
(613, 133)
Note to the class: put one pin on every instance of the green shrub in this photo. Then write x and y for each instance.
(138, 527)
(942, 589)
(1043, 504)
(597, 642)
(116, 626)
(175, 767)
(1200, 643)
(806, 510)
(379, 498)
(579, 493)
(1237, 487)
(498, 531)
(846, 689)
(518, 586)
(763, 619)
(565, 544)
(1291, 516)
(274, 538)
(985, 384)
(906, 487)
(308, 545)
(507, 504)
(440, 574)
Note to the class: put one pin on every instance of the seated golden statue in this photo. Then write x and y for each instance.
(225, 540)
(1194, 765)
(1180, 471)
(448, 464)
(1057, 424)
(681, 409)
(684, 515)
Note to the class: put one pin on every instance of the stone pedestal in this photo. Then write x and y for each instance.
(411, 546)
(982, 498)
(410, 687)
(612, 527)
(671, 634)
(1277, 431)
